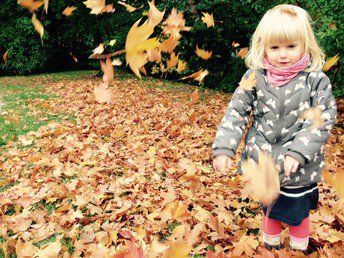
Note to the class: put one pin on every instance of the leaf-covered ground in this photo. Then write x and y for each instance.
(133, 177)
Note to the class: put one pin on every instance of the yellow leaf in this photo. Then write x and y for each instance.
(178, 249)
(26, 249)
(336, 180)
(263, 180)
(95, 5)
(173, 61)
(112, 42)
(169, 44)
(181, 66)
(331, 62)
(46, 4)
(99, 49)
(128, 7)
(69, 10)
(247, 245)
(203, 53)
(137, 44)
(249, 83)
(117, 62)
(314, 115)
(175, 23)
(31, 5)
(154, 15)
(197, 76)
(208, 19)
(242, 52)
(38, 26)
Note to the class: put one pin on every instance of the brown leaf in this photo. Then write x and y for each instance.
(194, 97)
(246, 245)
(5, 56)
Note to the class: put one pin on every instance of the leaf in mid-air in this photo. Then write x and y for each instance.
(69, 10)
(31, 5)
(38, 25)
(204, 54)
(128, 7)
(314, 115)
(154, 16)
(197, 76)
(331, 62)
(242, 52)
(181, 66)
(208, 19)
(108, 70)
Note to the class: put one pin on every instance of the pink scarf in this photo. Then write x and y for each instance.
(279, 77)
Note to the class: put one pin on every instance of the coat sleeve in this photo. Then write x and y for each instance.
(233, 124)
(309, 141)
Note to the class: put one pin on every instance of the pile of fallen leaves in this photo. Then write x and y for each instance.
(132, 177)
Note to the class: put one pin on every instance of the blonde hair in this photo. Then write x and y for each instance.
(285, 23)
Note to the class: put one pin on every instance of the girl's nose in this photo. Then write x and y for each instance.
(283, 53)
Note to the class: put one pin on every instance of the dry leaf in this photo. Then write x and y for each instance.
(331, 62)
(263, 181)
(5, 56)
(69, 10)
(128, 7)
(99, 49)
(247, 245)
(235, 44)
(46, 5)
(102, 93)
(194, 97)
(249, 83)
(74, 57)
(203, 53)
(208, 19)
(174, 24)
(177, 249)
(169, 44)
(173, 61)
(108, 70)
(112, 42)
(117, 62)
(243, 52)
(38, 26)
(98, 6)
(336, 180)
(314, 115)
(154, 15)
(154, 55)
(181, 66)
(197, 76)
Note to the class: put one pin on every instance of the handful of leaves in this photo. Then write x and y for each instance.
(262, 179)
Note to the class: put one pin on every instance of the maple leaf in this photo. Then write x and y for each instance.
(137, 44)
(102, 93)
(38, 26)
(169, 44)
(210, 254)
(243, 52)
(197, 76)
(26, 249)
(108, 70)
(154, 16)
(98, 6)
(181, 66)
(128, 7)
(314, 115)
(31, 5)
(175, 23)
(194, 97)
(173, 61)
(331, 62)
(336, 181)
(50, 250)
(249, 83)
(208, 19)
(178, 249)
(263, 181)
(69, 10)
(99, 49)
(246, 244)
(235, 44)
(203, 53)
(265, 253)
(154, 55)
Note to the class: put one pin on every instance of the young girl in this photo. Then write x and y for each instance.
(286, 61)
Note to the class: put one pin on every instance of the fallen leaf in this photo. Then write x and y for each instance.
(177, 249)
(102, 93)
(336, 180)
(194, 97)
(331, 62)
(246, 245)
(208, 19)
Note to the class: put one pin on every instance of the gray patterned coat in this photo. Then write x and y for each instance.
(277, 128)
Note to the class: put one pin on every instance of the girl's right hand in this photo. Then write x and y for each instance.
(222, 163)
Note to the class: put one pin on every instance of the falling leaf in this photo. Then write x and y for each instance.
(154, 16)
(108, 70)
(112, 42)
(249, 83)
(208, 19)
(181, 66)
(194, 97)
(169, 44)
(172, 61)
(31, 5)
(174, 24)
(5, 56)
(197, 76)
(203, 53)
(242, 52)
(154, 55)
(331, 62)
(117, 62)
(69, 10)
(235, 44)
(98, 6)
(38, 26)
(102, 93)
(128, 7)
(99, 49)
(46, 5)
(74, 57)
(263, 182)
(314, 115)
(137, 44)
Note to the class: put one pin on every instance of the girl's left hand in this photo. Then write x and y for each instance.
(290, 165)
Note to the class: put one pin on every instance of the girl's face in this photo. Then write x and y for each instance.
(283, 55)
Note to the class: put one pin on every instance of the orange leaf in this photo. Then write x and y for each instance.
(5, 56)
(249, 83)
(242, 52)
(169, 44)
(181, 66)
(154, 15)
(108, 70)
(194, 97)
(177, 249)
(336, 181)
(128, 7)
(31, 5)
(38, 26)
(246, 244)
(69, 10)
(197, 76)
(203, 53)
(331, 62)
(208, 19)
(173, 61)
(175, 23)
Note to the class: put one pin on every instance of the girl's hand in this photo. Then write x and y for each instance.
(222, 163)
(290, 165)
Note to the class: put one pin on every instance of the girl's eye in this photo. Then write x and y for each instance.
(274, 47)
(291, 46)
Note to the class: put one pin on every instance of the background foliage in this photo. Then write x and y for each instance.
(81, 32)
